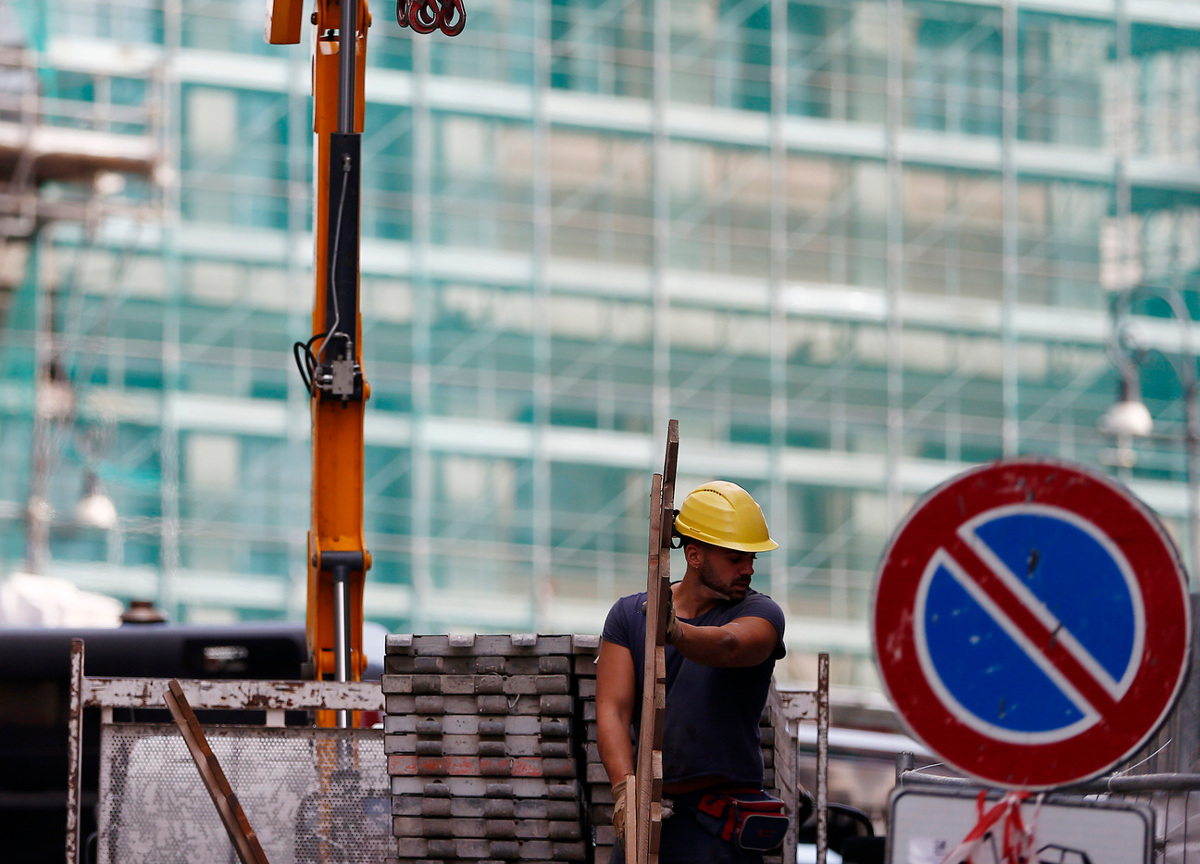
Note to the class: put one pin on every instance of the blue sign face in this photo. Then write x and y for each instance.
(1065, 572)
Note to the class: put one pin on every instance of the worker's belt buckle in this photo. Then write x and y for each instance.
(749, 816)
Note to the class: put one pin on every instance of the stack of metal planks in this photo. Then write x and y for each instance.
(599, 790)
(483, 749)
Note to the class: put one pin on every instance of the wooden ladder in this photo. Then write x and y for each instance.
(644, 830)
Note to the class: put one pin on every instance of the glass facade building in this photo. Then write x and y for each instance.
(854, 246)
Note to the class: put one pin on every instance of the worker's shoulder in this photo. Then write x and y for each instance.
(630, 603)
(757, 604)
(624, 622)
(756, 597)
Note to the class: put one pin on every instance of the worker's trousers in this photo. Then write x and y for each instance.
(686, 841)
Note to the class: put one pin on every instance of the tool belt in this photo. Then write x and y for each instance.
(749, 816)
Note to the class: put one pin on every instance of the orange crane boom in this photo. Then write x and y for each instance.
(331, 360)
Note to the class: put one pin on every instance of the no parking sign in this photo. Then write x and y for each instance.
(1031, 623)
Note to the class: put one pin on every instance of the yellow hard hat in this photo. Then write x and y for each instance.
(723, 514)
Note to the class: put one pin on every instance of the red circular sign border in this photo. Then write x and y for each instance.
(1165, 602)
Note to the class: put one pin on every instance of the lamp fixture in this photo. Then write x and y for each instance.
(1128, 417)
(96, 509)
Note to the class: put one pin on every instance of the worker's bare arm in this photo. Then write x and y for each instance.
(742, 642)
(616, 698)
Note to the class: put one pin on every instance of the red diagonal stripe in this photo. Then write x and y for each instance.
(1043, 640)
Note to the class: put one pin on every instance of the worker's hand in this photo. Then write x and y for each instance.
(619, 790)
(674, 628)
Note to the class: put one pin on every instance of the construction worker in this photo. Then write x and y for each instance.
(723, 639)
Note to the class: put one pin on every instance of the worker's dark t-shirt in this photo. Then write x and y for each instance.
(711, 725)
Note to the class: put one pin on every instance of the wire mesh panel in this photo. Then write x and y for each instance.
(310, 795)
(1176, 824)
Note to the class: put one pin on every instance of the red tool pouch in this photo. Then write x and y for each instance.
(750, 816)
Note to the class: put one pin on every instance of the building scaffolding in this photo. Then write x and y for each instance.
(854, 248)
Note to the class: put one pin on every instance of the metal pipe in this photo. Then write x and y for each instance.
(340, 564)
(341, 612)
(793, 834)
(777, 149)
(37, 513)
(660, 190)
(1193, 475)
(1185, 369)
(894, 284)
(1117, 784)
(1184, 365)
(347, 44)
(1010, 266)
(541, 583)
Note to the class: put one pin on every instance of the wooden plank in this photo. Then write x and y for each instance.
(245, 841)
(647, 803)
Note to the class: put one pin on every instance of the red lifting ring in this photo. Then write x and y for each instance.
(425, 16)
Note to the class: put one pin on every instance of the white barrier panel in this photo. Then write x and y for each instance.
(927, 824)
